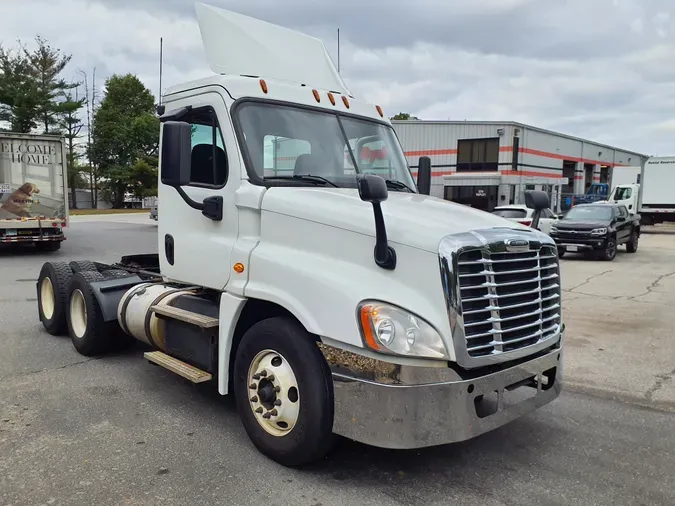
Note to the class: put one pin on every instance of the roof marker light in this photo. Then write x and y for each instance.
(379, 110)
(316, 95)
(331, 98)
(263, 86)
(345, 100)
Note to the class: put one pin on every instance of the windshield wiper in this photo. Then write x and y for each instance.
(397, 185)
(306, 177)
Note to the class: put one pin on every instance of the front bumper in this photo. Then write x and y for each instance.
(407, 407)
(579, 244)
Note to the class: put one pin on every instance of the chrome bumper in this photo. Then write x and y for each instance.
(411, 407)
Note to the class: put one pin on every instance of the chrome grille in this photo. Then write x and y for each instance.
(509, 300)
(504, 302)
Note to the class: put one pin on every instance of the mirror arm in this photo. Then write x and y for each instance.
(385, 255)
(212, 207)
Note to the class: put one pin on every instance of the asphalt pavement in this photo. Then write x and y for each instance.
(115, 430)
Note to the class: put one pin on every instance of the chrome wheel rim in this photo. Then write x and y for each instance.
(273, 393)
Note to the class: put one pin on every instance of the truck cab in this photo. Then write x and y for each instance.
(303, 269)
(626, 195)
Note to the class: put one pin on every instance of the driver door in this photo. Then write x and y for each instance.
(194, 248)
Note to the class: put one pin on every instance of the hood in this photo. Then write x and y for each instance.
(580, 224)
(411, 219)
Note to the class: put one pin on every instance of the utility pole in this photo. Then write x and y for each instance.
(338, 44)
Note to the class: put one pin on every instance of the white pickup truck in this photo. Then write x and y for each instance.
(33, 190)
(338, 298)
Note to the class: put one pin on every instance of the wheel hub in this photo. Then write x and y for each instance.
(273, 391)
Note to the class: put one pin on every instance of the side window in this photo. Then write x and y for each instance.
(209, 160)
(546, 213)
(280, 155)
(623, 211)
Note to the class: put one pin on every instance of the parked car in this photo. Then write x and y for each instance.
(153, 212)
(597, 229)
(523, 215)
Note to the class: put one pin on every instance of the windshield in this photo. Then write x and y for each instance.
(591, 213)
(623, 193)
(285, 141)
(510, 213)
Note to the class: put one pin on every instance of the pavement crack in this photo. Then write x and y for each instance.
(654, 284)
(49, 369)
(660, 380)
(589, 279)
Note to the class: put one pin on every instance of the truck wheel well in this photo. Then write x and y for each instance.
(254, 311)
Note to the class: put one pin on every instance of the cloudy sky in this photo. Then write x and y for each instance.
(599, 69)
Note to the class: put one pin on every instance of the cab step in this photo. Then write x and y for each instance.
(199, 320)
(178, 366)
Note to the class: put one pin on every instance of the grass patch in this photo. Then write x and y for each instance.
(86, 212)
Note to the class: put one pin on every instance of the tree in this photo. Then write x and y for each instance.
(404, 116)
(19, 92)
(91, 104)
(46, 64)
(125, 132)
(71, 125)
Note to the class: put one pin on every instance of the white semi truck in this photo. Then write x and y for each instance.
(33, 190)
(332, 300)
(646, 190)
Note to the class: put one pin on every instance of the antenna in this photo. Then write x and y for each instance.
(338, 42)
(161, 47)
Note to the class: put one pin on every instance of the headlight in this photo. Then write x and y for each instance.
(599, 231)
(389, 329)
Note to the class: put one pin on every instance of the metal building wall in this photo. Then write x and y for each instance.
(438, 141)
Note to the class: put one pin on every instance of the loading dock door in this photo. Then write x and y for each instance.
(479, 197)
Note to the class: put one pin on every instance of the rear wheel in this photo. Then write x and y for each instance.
(90, 334)
(561, 252)
(632, 244)
(284, 392)
(52, 294)
(83, 266)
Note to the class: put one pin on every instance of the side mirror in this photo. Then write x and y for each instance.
(373, 189)
(537, 200)
(176, 153)
(424, 175)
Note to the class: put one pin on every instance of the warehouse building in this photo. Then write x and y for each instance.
(487, 164)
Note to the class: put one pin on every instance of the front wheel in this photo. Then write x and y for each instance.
(632, 244)
(284, 392)
(609, 252)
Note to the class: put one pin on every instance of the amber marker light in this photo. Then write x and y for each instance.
(379, 111)
(263, 86)
(238, 267)
(316, 95)
(331, 98)
(367, 313)
(345, 101)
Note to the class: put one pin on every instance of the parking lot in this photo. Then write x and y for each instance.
(114, 430)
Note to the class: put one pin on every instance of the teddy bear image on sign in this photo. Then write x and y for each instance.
(20, 201)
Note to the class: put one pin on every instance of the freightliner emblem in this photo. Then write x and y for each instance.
(516, 245)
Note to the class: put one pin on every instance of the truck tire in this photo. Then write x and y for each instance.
(83, 266)
(609, 253)
(561, 252)
(48, 245)
(89, 333)
(632, 244)
(290, 417)
(52, 295)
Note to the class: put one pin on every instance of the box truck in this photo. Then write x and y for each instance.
(33, 190)
(338, 298)
(648, 190)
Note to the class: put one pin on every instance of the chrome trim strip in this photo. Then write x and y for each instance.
(489, 242)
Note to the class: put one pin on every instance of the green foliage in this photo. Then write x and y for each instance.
(19, 92)
(125, 139)
(70, 125)
(31, 91)
(402, 116)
